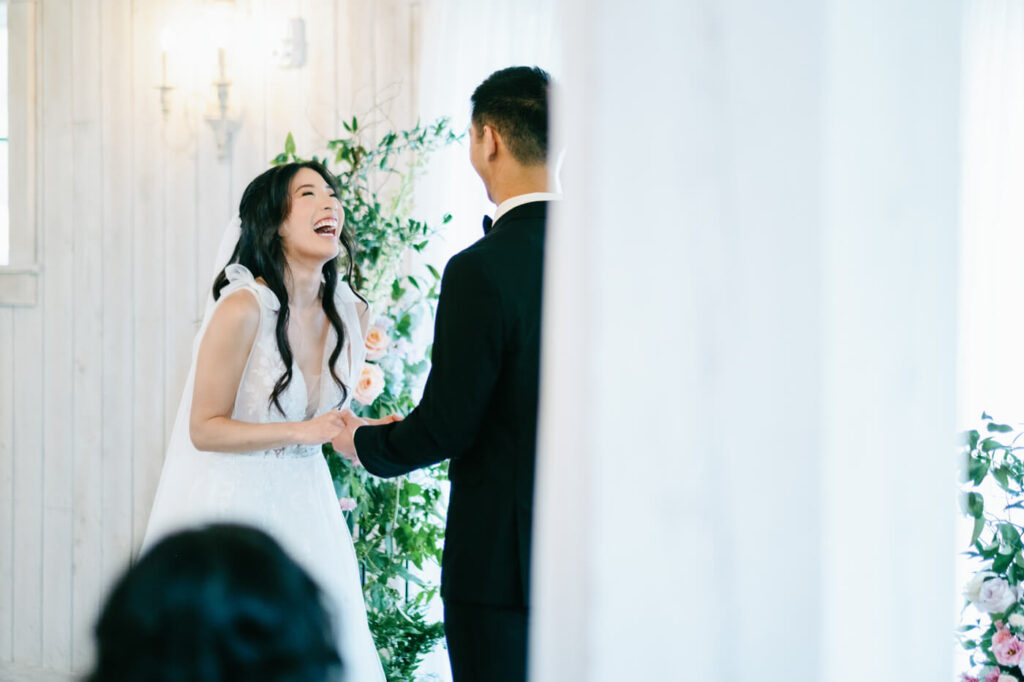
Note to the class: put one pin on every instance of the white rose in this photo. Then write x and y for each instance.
(1016, 621)
(377, 342)
(973, 587)
(1007, 678)
(371, 384)
(995, 596)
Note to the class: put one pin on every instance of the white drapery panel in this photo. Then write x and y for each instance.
(991, 365)
(464, 41)
(992, 282)
(749, 352)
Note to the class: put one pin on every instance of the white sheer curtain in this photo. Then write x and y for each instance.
(464, 41)
(992, 260)
(991, 360)
(749, 345)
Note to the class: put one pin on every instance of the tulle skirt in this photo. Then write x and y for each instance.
(291, 498)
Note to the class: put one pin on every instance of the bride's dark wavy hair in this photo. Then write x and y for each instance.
(266, 204)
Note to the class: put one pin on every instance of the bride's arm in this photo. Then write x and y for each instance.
(219, 366)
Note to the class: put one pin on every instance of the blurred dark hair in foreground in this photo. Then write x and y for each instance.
(219, 603)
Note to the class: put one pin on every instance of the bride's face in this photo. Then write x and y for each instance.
(311, 230)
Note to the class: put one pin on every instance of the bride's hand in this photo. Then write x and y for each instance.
(321, 429)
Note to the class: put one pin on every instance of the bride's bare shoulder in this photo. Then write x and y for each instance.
(237, 314)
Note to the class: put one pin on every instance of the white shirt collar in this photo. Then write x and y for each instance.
(512, 202)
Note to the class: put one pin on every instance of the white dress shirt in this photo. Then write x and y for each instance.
(510, 203)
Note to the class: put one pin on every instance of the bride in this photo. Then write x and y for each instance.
(273, 363)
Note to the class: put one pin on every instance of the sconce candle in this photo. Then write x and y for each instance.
(165, 40)
(164, 87)
(220, 65)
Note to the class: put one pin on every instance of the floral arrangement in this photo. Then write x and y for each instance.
(397, 524)
(992, 479)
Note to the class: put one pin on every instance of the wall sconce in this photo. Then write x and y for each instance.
(290, 50)
(224, 126)
(165, 88)
(213, 27)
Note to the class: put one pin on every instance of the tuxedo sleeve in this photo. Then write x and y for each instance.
(466, 361)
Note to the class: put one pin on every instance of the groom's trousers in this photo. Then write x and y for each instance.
(486, 643)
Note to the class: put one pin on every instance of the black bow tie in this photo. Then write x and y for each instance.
(488, 223)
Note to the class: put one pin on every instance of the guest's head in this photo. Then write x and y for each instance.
(292, 223)
(509, 129)
(216, 604)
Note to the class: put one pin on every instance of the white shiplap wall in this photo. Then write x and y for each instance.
(130, 209)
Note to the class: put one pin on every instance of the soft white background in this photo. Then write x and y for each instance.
(991, 326)
(751, 313)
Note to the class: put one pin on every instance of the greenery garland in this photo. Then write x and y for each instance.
(397, 524)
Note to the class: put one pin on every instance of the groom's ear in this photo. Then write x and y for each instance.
(491, 141)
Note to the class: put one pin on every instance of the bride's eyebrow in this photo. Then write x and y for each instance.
(326, 187)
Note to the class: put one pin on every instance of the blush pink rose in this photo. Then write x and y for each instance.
(371, 384)
(1008, 650)
(347, 504)
(377, 343)
(964, 677)
(1002, 634)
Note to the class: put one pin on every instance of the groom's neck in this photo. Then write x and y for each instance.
(519, 180)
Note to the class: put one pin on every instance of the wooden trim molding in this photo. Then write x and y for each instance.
(18, 281)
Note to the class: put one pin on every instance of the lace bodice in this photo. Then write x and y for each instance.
(265, 365)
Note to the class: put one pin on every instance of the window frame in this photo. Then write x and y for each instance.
(19, 279)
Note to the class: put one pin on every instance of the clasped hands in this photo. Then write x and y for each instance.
(346, 423)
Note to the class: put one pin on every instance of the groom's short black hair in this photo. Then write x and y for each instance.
(514, 101)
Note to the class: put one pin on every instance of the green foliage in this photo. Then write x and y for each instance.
(992, 488)
(397, 524)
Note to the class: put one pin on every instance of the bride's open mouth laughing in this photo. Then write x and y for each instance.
(326, 227)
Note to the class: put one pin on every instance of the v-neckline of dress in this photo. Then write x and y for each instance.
(306, 412)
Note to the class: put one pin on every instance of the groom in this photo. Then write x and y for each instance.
(479, 406)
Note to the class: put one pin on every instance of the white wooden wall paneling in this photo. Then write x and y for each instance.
(148, 270)
(131, 207)
(58, 223)
(250, 154)
(27, 522)
(86, 225)
(21, 632)
(318, 74)
(6, 483)
(26, 530)
(179, 196)
(118, 200)
(286, 102)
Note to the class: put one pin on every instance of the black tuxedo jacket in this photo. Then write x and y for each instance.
(479, 409)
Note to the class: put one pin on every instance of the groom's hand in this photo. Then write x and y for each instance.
(389, 419)
(343, 443)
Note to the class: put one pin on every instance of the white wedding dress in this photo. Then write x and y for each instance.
(286, 492)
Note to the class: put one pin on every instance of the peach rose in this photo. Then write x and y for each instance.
(371, 384)
(377, 343)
